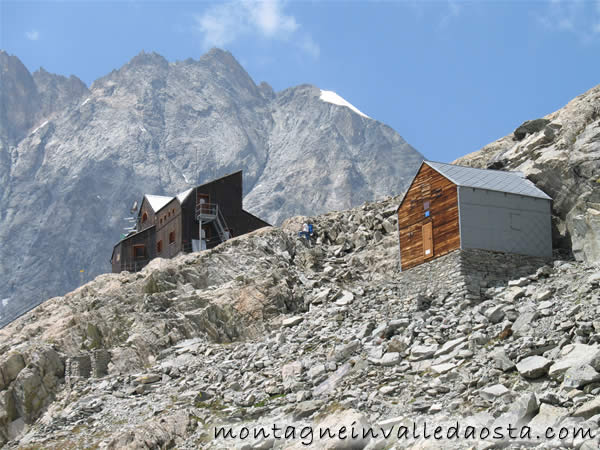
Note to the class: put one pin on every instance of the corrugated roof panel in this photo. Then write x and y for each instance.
(493, 180)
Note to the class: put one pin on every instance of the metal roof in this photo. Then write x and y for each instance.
(491, 180)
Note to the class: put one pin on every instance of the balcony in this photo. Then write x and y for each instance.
(207, 212)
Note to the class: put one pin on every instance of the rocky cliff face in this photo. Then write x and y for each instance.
(73, 160)
(265, 329)
(561, 154)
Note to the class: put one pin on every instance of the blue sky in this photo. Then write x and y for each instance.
(449, 76)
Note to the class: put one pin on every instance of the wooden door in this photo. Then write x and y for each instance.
(427, 230)
(202, 201)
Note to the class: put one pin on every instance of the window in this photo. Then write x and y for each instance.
(171, 237)
(426, 205)
(144, 217)
(159, 246)
(139, 251)
(118, 256)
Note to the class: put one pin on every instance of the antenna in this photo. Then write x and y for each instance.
(132, 221)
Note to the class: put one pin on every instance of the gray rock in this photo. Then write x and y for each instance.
(494, 314)
(522, 326)
(292, 321)
(397, 345)
(351, 419)
(346, 298)
(390, 359)
(343, 352)
(419, 352)
(317, 371)
(574, 355)
(548, 416)
(588, 409)
(306, 408)
(491, 393)
(290, 374)
(501, 361)
(533, 367)
(450, 345)
(521, 411)
(577, 377)
(10, 366)
(332, 382)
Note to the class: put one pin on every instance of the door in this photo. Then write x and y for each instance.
(428, 240)
(202, 201)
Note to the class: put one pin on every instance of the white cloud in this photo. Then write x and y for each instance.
(225, 23)
(580, 18)
(32, 35)
(310, 46)
(452, 11)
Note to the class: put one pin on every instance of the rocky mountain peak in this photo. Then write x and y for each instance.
(145, 59)
(18, 99)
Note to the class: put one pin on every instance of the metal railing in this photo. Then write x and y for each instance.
(135, 266)
(207, 211)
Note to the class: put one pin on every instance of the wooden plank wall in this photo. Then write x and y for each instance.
(428, 185)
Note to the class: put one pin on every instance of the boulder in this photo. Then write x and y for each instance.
(292, 321)
(491, 393)
(522, 326)
(343, 352)
(10, 366)
(577, 377)
(588, 409)
(290, 374)
(419, 352)
(501, 361)
(494, 314)
(574, 355)
(520, 412)
(533, 367)
(548, 416)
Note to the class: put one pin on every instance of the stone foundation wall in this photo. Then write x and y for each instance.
(463, 274)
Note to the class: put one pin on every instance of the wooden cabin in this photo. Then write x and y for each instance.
(197, 219)
(449, 207)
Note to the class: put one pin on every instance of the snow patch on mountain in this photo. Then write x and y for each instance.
(38, 128)
(332, 97)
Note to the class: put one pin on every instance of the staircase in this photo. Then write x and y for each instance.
(210, 212)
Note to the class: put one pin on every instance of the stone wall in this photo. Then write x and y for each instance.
(86, 365)
(100, 360)
(77, 368)
(463, 274)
